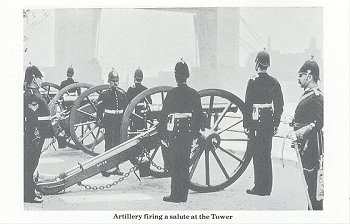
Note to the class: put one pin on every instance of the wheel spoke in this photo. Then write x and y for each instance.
(230, 153)
(162, 94)
(86, 113)
(220, 163)
(87, 134)
(225, 129)
(222, 115)
(94, 143)
(92, 104)
(210, 110)
(85, 123)
(154, 153)
(196, 156)
(138, 116)
(207, 176)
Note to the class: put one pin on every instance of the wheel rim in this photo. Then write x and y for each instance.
(224, 157)
(157, 95)
(48, 90)
(58, 105)
(86, 133)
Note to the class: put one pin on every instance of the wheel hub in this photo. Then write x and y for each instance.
(211, 137)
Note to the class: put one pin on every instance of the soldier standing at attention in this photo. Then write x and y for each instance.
(62, 141)
(138, 123)
(140, 109)
(308, 122)
(179, 126)
(111, 105)
(37, 127)
(264, 104)
(69, 80)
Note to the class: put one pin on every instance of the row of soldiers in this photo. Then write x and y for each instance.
(181, 116)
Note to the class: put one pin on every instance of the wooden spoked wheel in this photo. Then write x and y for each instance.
(85, 127)
(60, 107)
(222, 155)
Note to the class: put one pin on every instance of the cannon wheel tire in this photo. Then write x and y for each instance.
(55, 107)
(48, 90)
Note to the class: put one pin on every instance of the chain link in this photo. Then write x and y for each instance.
(151, 161)
(125, 175)
(102, 187)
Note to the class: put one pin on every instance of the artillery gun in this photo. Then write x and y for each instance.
(218, 158)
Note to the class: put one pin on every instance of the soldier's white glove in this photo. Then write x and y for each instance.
(275, 130)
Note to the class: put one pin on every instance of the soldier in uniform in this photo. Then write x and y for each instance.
(69, 80)
(139, 123)
(264, 105)
(133, 91)
(111, 105)
(308, 122)
(179, 125)
(62, 142)
(37, 127)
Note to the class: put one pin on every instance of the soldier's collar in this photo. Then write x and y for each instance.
(314, 89)
(181, 84)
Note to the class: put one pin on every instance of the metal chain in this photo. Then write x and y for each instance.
(125, 175)
(101, 187)
(151, 161)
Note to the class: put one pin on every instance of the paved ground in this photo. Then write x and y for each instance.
(147, 195)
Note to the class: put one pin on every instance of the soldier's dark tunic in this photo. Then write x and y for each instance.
(68, 105)
(263, 89)
(310, 110)
(181, 99)
(37, 127)
(111, 105)
(136, 122)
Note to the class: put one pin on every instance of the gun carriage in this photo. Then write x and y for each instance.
(218, 157)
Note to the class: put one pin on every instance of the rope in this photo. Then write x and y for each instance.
(252, 31)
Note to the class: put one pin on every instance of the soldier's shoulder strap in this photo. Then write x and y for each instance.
(313, 91)
(253, 76)
(317, 91)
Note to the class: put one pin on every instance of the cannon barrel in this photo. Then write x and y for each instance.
(105, 161)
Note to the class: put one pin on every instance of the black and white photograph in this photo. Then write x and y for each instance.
(222, 112)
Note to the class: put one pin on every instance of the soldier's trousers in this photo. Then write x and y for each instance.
(180, 152)
(311, 180)
(262, 145)
(112, 137)
(31, 160)
(309, 159)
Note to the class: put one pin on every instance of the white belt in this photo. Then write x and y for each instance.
(141, 104)
(263, 105)
(70, 98)
(45, 118)
(114, 111)
(181, 115)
